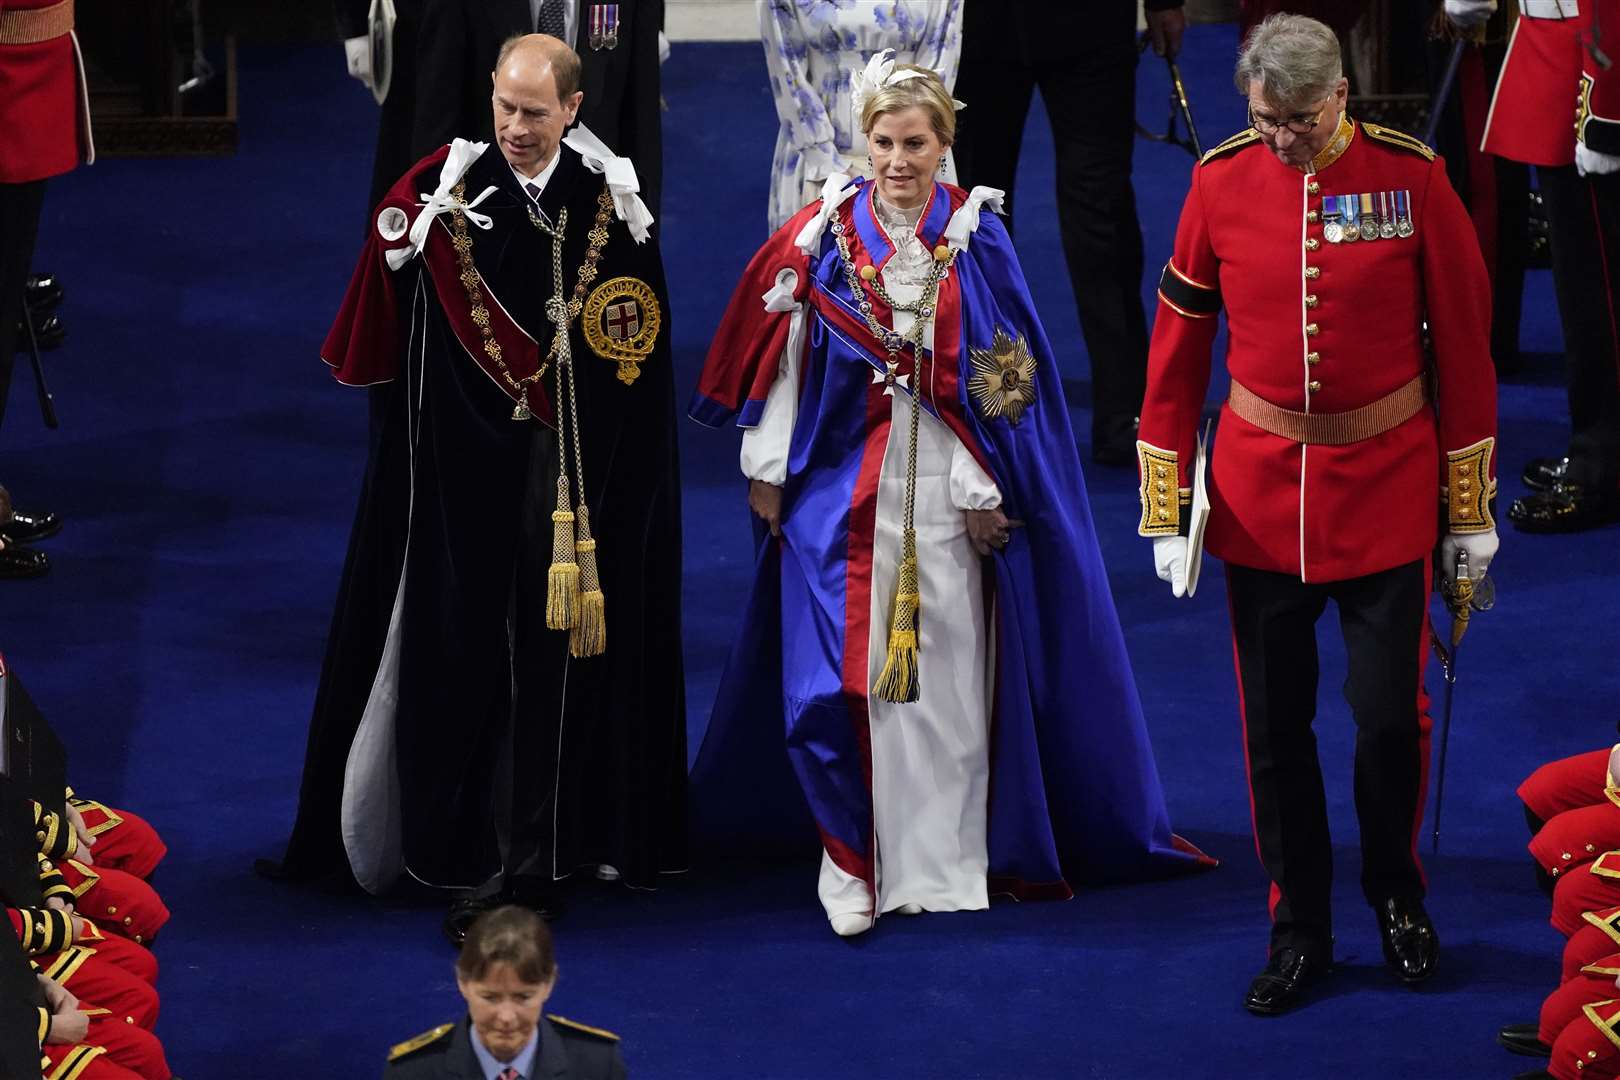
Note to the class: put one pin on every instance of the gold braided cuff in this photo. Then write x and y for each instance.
(1162, 498)
(1469, 488)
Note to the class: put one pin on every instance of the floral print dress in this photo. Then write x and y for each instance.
(813, 48)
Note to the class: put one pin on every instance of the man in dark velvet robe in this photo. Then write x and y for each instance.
(455, 737)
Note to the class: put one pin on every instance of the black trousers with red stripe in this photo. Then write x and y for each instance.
(1383, 619)
(1583, 220)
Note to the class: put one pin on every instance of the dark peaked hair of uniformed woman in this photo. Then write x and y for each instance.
(510, 935)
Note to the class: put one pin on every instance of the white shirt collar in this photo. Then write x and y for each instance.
(540, 179)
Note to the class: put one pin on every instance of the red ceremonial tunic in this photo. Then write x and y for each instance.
(44, 114)
(1532, 114)
(1318, 327)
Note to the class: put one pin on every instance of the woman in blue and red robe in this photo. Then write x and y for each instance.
(1023, 764)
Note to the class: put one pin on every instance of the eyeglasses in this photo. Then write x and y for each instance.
(1295, 124)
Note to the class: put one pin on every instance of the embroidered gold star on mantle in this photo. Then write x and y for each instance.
(1003, 382)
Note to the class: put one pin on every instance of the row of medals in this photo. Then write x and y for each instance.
(1382, 215)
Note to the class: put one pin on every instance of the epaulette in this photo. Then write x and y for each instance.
(586, 1028)
(1241, 139)
(1398, 138)
(427, 1038)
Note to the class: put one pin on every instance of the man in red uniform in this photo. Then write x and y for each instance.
(1555, 108)
(46, 121)
(1329, 243)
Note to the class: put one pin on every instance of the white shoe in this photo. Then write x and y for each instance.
(850, 924)
(909, 909)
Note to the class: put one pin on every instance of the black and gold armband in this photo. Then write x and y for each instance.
(1187, 295)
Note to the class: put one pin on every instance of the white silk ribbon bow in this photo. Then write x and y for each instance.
(833, 193)
(621, 179)
(462, 155)
(965, 222)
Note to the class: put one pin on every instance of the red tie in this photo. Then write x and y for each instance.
(508, 1073)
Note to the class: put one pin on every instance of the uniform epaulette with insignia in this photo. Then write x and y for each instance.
(1242, 138)
(1398, 138)
(575, 1025)
(427, 1038)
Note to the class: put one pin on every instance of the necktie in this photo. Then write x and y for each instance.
(534, 192)
(550, 19)
(508, 1073)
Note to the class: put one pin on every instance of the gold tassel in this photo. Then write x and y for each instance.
(562, 580)
(589, 635)
(899, 680)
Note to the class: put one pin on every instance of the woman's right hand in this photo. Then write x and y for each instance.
(765, 500)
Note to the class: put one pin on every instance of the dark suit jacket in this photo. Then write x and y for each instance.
(456, 50)
(566, 1053)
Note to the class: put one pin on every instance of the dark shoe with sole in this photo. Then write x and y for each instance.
(42, 292)
(1283, 983)
(1536, 1074)
(464, 911)
(26, 528)
(1565, 508)
(22, 562)
(1523, 1039)
(49, 330)
(1543, 472)
(1411, 947)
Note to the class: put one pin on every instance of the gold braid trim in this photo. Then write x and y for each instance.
(1159, 493)
(1469, 488)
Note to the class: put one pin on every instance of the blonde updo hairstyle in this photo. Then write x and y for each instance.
(927, 93)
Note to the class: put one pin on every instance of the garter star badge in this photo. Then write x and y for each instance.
(1003, 382)
(620, 322)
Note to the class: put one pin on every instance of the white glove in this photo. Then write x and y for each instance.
(1590, 162)
(1170, 560)
(358, 52)
(1468, 14)
(1481, 548)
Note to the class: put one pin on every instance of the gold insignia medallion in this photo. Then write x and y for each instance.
(621, 322)
(1003, 381)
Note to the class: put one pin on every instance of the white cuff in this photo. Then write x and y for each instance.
(971, 486)
(1591, 163)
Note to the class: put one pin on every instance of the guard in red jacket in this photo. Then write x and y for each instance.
(1557, 107)
(1330, 244)
(45, 118)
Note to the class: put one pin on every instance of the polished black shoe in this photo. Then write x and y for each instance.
(1282, 985)
(42, 292)
(459, 919)
(540, 897)
(1534, 1074)
(1411, 947)
(1565, 508)
(26, 528)
(1523, 1039)
(1543, 472)
(21, 562)
(49, 330)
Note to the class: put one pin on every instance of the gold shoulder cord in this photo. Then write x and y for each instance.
(900, 680)
(574, 600)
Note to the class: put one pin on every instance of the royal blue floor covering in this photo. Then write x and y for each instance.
(207, 467)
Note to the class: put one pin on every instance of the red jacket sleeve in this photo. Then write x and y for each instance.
(1457, 299)
(1178, 368)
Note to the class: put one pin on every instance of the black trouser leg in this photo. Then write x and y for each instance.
(1274, 633)
(1092, 107)
(1383, 617)
(987, 144)
(1583, 217)
(20, 205)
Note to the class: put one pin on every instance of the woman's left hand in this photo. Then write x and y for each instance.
(989, 529)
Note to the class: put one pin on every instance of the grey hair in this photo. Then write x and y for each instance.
(1295, 59)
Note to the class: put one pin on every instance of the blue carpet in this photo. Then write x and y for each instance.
(208, 469)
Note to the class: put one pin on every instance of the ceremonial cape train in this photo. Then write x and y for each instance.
(1074, 790)
(439, 665)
